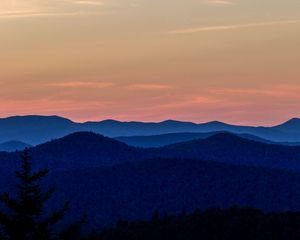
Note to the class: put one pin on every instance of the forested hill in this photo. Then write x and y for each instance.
(213, 224)
(110, 180)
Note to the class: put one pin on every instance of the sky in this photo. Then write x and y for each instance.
(149, 60)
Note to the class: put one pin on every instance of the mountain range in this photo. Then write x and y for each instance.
(110, 180)
(35, 130)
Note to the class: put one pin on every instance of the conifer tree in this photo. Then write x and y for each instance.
(24, 217)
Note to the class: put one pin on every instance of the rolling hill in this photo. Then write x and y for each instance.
(84, 150)
(163, 139)
(171, 138)
(229, 148)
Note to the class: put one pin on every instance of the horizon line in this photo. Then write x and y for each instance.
(149, 122)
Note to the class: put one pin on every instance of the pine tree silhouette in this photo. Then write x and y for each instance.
(24, 218)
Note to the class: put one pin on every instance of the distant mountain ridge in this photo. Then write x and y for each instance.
(236, 150)
(39, 129)
(12, 146)
(171, 138)
(35, 129)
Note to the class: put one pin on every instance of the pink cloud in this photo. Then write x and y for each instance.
(219, 2)
(79, 84)
(266, 105)
(151, 86)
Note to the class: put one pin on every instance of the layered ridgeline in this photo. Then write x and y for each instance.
(171, 138)
(86, 149)
(110, 180)
(39, 129)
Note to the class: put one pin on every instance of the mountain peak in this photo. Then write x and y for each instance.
(293, 121)
(292, 124)
(35, 118)
(225, 136)
(83, 136)
(215, 123)
(171, 121)
(110, 121)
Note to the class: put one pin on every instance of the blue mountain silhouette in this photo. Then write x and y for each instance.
(39, 129)
(110, 180)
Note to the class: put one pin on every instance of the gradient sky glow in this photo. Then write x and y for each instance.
(198, 60)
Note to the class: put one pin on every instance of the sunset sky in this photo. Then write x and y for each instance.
(149, 60)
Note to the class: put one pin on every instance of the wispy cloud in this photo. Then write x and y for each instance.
(233, 26)
(219, 2)
(83, 2)
(26, 14)
(151, 86)
(82, 84)
(41, 8)
(280, 91)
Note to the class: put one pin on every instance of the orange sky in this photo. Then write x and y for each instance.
(198, 60)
